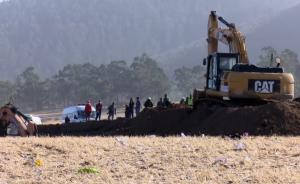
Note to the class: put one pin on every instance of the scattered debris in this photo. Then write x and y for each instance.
(121, 140)
(245, 134)
(245, 161)
(38, 162)
(88, 170)
(220, 160)
(239, 146)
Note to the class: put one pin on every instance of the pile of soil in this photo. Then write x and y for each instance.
(280, 118)
(82, 129)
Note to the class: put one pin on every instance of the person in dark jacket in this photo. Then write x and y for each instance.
(160, 103)
(98, 110)
(137, 106)
(131, 108)
(111, 111)
(127, 112)
(67, 119)
(148, 103)
(166, 101)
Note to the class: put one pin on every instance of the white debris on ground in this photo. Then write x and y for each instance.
(122, 141)
(239, 146)
(220, 160)
(246, 160)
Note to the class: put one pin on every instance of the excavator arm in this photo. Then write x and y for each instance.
(229, 36)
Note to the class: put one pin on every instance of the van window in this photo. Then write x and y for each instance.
(81, 114)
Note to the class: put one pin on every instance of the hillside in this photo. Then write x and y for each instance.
(281, 32)
(49, 34)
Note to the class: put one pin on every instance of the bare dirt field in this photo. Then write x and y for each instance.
(150, 160)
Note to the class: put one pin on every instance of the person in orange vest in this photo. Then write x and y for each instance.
(88, 110)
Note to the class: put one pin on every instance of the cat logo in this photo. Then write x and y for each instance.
(264, 86)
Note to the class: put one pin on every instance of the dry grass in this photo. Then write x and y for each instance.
(150, 160)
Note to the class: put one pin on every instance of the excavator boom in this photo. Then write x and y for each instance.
(229, 36)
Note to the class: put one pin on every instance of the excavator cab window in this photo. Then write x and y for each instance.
(217, 64)
(212, 77)
(226, 63)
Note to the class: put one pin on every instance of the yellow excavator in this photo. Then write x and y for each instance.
(230, 75)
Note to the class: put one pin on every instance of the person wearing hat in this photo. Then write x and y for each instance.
(148, 103)
(182, 101)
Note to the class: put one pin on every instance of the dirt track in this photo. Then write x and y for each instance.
(281, 118)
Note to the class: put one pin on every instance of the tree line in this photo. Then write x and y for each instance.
(73, 84)
(118, 81)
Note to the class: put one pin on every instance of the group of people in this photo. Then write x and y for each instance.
(88, 110)
(162, 103)
(132, 109)
(136, 107)
(187, 101)
(111, 110)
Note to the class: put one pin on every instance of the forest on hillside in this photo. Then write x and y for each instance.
(49, 34)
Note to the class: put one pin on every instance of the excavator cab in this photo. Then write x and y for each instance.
(217, 64)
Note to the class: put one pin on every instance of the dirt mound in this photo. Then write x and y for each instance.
(153, 121)
(273, 118)
(82, 129)
(281, 118)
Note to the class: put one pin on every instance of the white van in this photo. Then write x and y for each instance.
(35, 119)
(76, 114)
